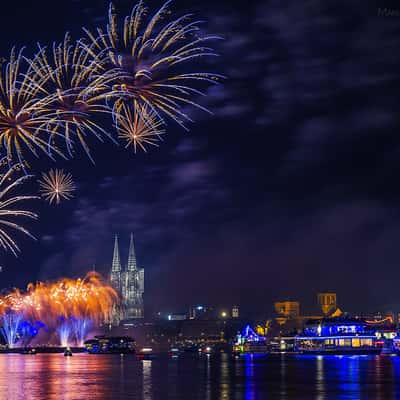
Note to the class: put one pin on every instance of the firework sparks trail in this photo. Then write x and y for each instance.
(139, 127)
(23, 122)
(9, 182)
(56, 185)
(149, 63)
(144, 72)
(65, 79)
(148, 58)
(66, 306)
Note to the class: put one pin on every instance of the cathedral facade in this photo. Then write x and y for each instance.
(129, 283)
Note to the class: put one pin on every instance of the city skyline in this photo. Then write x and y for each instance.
(199, 200)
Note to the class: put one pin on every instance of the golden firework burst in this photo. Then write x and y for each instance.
(23, 121)
(139, 126)
(56, 185)
(65, 79)
(9, 207)
(143, 59)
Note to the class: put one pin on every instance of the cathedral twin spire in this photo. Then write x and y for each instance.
(132, 266)
(116, 263)
(129, 283)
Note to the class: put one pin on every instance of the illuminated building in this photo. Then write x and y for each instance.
(129, 283)
(289, 309)
(235, 312)
(327, 302)
(289, 318)
(176, 317)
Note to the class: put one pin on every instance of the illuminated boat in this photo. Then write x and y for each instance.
(396, 345)
(339, 336)
(174, 352)
(110, 345)
(249, 342)
(145, 353)
(67, 352)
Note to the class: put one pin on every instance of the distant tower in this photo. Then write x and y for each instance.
(116, 281)
(132, 256)
(116, 268)
(134, 285)
(327, 302)
(129, 283)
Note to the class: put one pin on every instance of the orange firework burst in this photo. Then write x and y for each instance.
(89, 299)
(144, 58)
(139, 127)
(57, 185)
(65, 79)
(9, 182)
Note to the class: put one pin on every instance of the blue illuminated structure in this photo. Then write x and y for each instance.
(248, 341)
(11, 324)
(27, 331)
(338, 336)
(337, 326)
(251, 336)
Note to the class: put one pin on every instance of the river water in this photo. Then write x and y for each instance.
(53, 376)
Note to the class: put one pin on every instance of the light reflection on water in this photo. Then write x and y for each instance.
(54, 377)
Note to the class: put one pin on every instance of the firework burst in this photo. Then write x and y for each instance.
(9, 207)
(64, 306)
(139, 127)
(22, 119)
(144, 58)
(66, 79)
(57, 185)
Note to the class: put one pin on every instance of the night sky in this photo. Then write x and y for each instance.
(290, 188)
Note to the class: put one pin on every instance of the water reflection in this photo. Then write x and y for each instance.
(349, 374)
(53, 376)
(249, 374)
(224, 378)
(208, 377)
(283, 391)
(320, 378)
(147, 380)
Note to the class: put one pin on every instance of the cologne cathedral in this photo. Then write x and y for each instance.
(129, 283)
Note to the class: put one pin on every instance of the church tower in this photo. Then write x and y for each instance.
(116, 268)
(134, 294)
(116, 282)
(129, 283)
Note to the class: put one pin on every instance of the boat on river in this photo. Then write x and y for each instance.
(339, 336)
